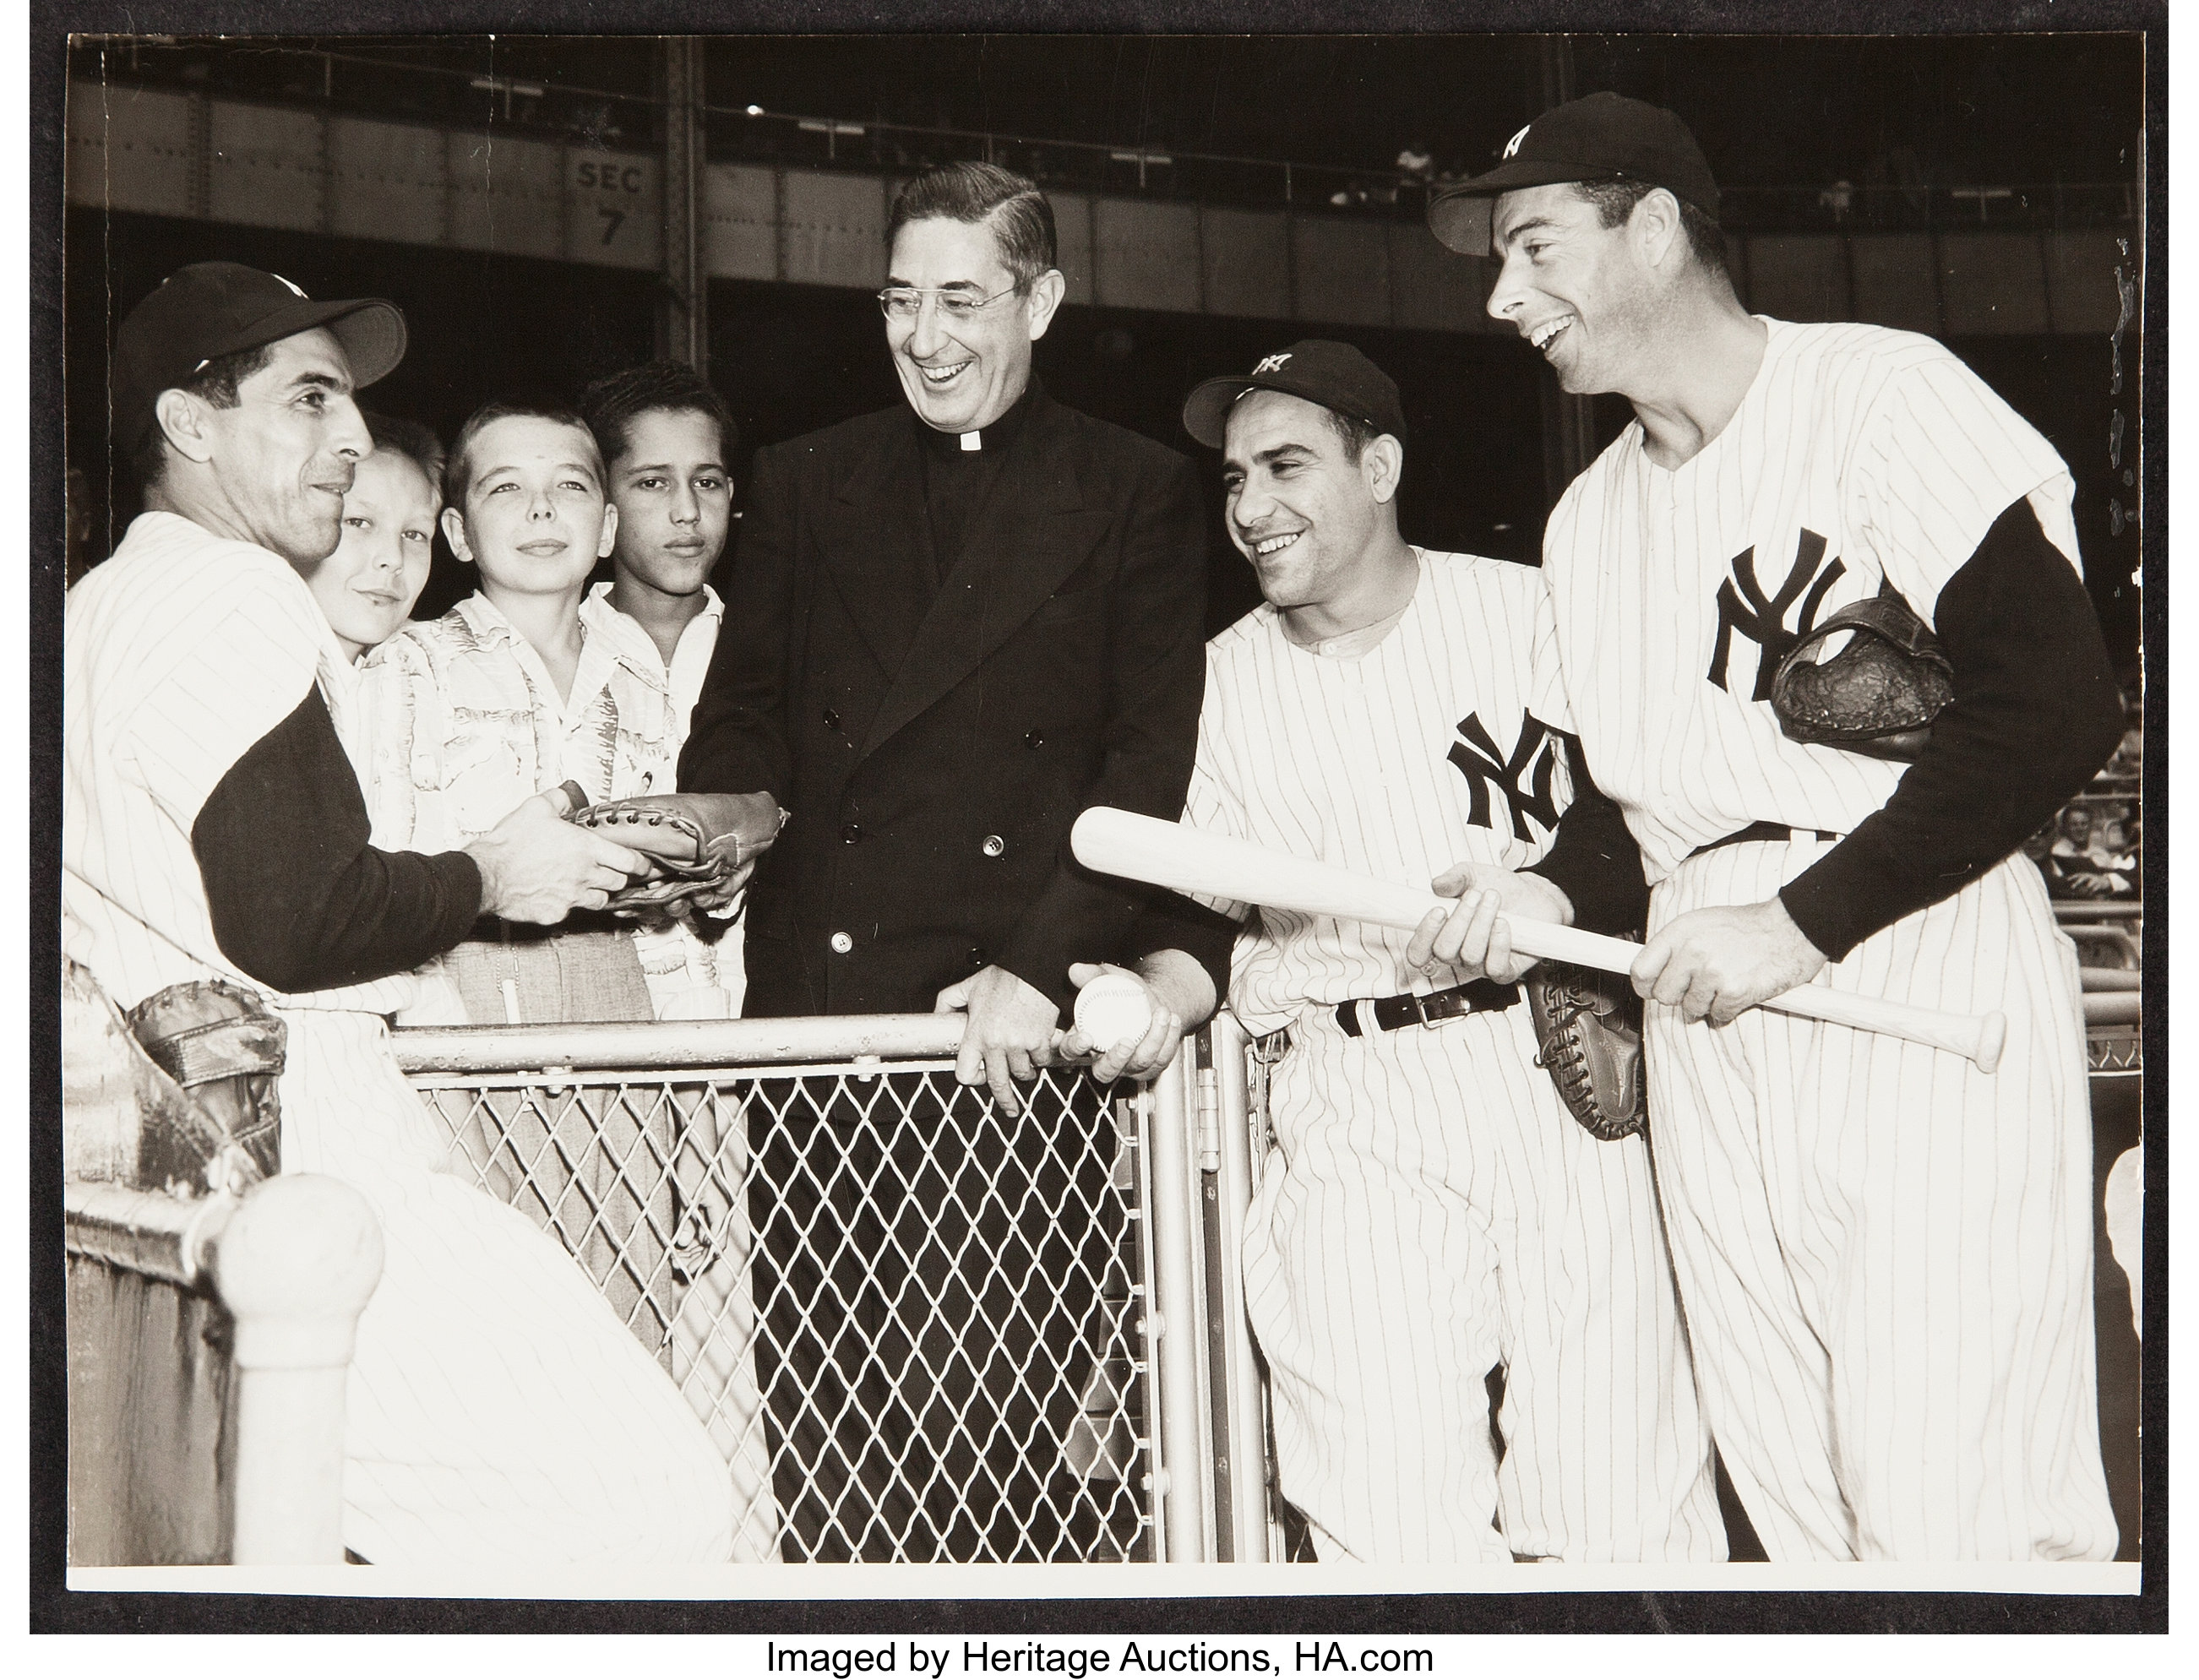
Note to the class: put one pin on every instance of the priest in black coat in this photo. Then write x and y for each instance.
(952, 626)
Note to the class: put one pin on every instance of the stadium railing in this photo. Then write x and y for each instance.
(208, 1345)
(806, 1220)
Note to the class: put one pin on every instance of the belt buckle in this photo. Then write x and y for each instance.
(1421, 1007)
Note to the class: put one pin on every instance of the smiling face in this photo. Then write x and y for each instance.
(962, 374)
(1573, 289)
(367, 587)
(1303, 514)
(534, 520)
(675, 500)
(282, 459)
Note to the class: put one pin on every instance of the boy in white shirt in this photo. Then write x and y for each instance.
(665, 437)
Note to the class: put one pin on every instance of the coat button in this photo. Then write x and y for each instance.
(1034, 738)
(993, 845)
(851, 832)
(831, 719)
(843, 943)
(977, 956)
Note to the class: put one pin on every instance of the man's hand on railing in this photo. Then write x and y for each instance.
(1012, 1025)
(1181, 995)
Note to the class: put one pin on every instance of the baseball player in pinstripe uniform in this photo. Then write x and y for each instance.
(213, 828)
(1431, 1211)
(1885, 1255)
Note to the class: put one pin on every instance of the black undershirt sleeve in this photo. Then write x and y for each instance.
(1595, 861)
(2035, 713)
(1172, 922)
(299, 901)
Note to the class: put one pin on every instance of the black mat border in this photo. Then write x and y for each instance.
(52, 1609)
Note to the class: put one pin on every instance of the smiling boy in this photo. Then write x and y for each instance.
(509, 694)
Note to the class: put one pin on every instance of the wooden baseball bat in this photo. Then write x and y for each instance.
(1189, 859)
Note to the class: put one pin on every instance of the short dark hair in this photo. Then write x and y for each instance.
(458, 472)
(1614, 203)
(214, 381)
(612, 404)
(410, 439)
(1353, 433)
(1021, 220)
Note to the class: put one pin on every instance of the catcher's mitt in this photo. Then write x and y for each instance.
(224, 1048)
(692, 853)
(1588, 1025)
(1878, 694)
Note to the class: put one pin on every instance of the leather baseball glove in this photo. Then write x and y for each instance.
(224, 1048)
(1587, 1024)
(698, 846)
(1878, 694)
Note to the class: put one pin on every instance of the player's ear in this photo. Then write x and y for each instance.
(1383, 462)
(1656, 224)
(454, 533)
(1046, 294)
(181, 418)
(608, 541)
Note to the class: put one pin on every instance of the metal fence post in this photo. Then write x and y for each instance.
(1242, 1455)
(1182, 1485)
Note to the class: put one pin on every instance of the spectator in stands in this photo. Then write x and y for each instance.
(1416, 170)
(213, 830)
(2081, 868)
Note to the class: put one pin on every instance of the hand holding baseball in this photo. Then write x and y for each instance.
(1123, 1027)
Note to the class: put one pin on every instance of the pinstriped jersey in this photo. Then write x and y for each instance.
(1440, 745)
(182, 651)
(1860, 456)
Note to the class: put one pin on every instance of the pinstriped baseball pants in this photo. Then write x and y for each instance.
(1431, 1211)
(497, 1411)
(1885, 1255)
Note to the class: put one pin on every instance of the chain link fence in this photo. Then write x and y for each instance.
(915, 1327)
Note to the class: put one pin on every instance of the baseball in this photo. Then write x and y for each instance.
(1114, 1009)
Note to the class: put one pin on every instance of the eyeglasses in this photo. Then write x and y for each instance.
(905, 303)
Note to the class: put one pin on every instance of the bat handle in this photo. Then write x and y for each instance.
(1981, 1038)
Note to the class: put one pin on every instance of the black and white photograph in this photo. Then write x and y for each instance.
(1279, 817)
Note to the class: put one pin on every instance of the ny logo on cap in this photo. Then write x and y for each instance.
(298, 292)
(1511, 146)
(1269, 364)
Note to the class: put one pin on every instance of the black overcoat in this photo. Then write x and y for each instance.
(933, 748)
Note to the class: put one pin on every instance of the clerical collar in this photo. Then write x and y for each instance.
(997, 436)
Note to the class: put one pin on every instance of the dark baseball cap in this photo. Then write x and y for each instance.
(1606, 136)
(1320, 370)
(215, 309)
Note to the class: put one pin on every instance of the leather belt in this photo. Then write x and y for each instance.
(1425, 1009)
(1765, 830)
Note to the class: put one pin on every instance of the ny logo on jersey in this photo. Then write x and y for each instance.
(1764, 622)
(1269, 364)
(1538, 748)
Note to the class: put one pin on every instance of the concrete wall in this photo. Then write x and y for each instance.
(160, 153)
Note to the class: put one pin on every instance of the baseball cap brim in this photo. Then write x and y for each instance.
(1206, 410)
(1460, 216)
(370, 331)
